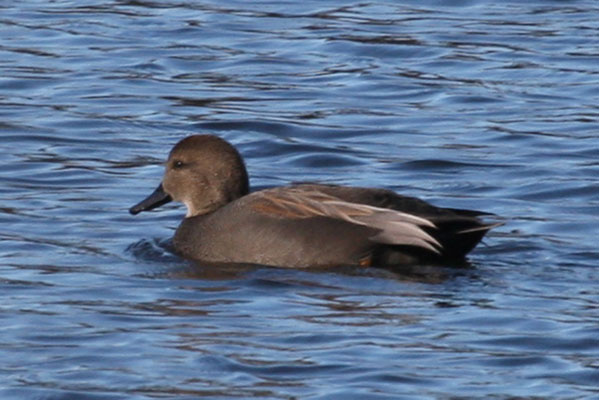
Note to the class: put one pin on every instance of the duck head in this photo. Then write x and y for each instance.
(204, 172)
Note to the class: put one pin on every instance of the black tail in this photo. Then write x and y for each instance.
(459, 234)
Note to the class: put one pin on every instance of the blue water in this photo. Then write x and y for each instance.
(473, 104)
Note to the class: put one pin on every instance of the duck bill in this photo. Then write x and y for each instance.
(156, 199)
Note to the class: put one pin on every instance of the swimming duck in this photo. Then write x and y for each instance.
(301, 225)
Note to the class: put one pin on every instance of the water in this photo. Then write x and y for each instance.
(473, 104)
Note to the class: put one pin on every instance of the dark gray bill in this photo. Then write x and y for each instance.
(156, 199)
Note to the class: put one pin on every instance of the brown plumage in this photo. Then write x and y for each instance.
(301, 225)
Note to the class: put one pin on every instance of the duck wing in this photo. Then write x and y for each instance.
(392, 227)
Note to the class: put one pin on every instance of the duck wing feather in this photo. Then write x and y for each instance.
(392, 227)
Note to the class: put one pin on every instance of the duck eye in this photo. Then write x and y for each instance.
(178, 164)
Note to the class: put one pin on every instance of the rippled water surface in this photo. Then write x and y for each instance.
(473, 104)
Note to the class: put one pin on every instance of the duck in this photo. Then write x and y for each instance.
(301, 225)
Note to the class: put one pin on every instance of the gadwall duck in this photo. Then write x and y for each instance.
(300, 225)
